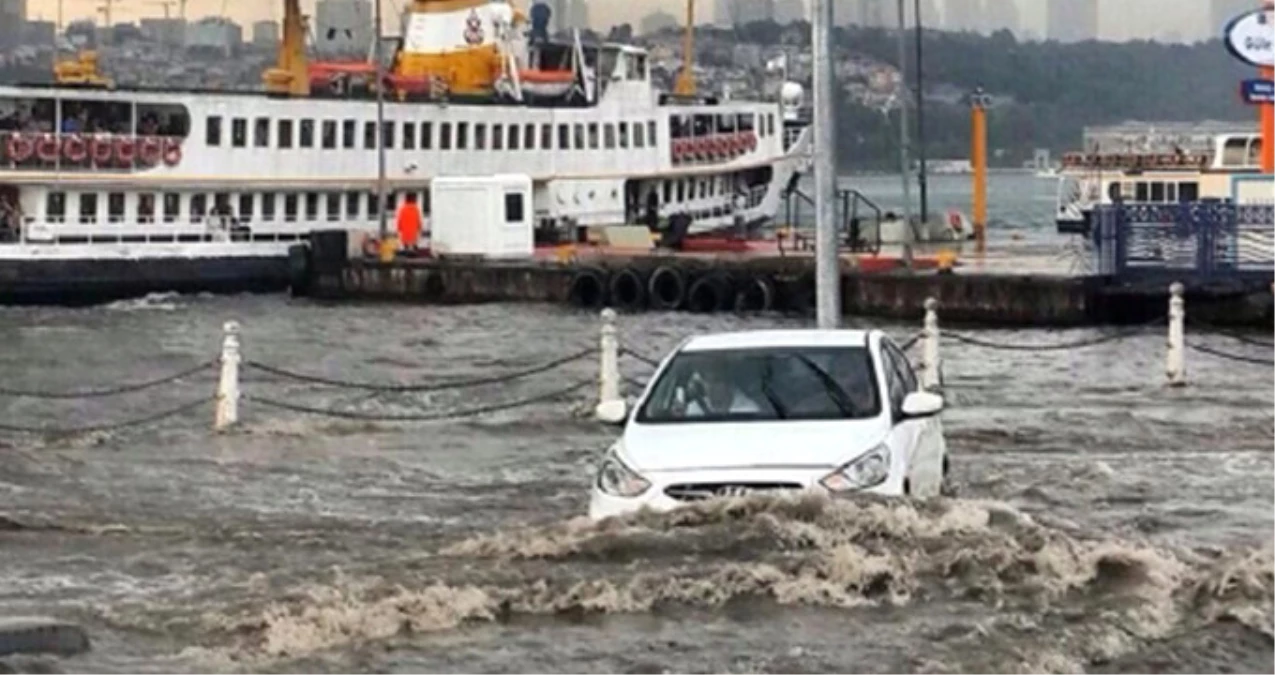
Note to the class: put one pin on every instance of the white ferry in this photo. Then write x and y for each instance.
(1087, 180)
(110, 191)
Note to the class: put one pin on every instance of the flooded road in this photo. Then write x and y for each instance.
(1103, 522)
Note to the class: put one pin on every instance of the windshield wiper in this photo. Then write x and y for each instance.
(769, 393)
(838, 395)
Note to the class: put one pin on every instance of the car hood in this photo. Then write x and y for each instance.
(688, 446)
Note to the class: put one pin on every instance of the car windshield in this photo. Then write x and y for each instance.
(783, 383)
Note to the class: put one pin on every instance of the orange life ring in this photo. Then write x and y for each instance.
(75, 148)
(20, 147)
(101, 149)
(172, 151)
(47, 148)
(150, 151)
(125, 150)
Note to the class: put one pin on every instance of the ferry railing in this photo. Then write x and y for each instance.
(1206, 240)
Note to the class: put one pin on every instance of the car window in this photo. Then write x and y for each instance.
(903, 367)
(894, 381)
(764, 385)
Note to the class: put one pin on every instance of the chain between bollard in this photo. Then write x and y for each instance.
(1239, 358)
(643, 358)
(1077, 344)
(107, 426)
(112, 391)
(423, 417)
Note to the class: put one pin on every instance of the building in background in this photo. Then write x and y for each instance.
(168, 32)
(13, 19)
(343, 26)
(566, 15)
(658, 21)
(265, 34)
(1071, 20)
(40, 33)
(214, 33)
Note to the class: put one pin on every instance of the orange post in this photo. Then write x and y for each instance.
(978, 161)
(1267, 113)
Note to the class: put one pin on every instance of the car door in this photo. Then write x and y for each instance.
(928, 448)
(904, 434)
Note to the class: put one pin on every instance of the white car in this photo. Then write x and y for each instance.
(839, 411)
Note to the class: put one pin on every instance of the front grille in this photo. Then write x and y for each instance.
(693, 492)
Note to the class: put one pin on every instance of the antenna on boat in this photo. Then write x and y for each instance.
(685, 85)
(903, 137)
(383, 223)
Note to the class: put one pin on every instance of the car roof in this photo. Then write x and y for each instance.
(760, 339)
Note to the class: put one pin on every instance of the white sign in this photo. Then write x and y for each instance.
(1251, 37)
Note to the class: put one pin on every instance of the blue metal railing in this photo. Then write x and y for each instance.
(1204, 240)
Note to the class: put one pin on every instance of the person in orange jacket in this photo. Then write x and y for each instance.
(409, 223)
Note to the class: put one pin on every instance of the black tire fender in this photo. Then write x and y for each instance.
(712, 292)
(628, 289)
(666, 289)
(589, 288)
(757, 294)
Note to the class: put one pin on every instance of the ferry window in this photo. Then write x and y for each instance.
(639, 138)
(445, 136)
(564, 137)
(1140, 192)
(1188, 191)
(388, 130)
(650, 132)
(261, 132)
(115, 207)
(424, 203)
(146, 207)
(329, 134)
(348, 139)
(703, 189)
(1171, 192)
(681, 191)
(770, 124)
(290, 207)
(409, 136)
(246, 203)
(624, 134)
(608, 136)
(726, 124)
(267, 207)
(546, 137)
(285, 134)
(369, 135)
(593, 135)
(55, 206)
(391, 202)
(480, 136)
(221, 204)
(334, 206)
(88, 207)
(172, 206)
(198, 207)
(311, 206)
(579, 137)
(162, 120)
(373, 209)
(352, 202)
(307, 134)
(1157, 191)
(1255, 152)
(212, 131)
(529, 137)
(239, 132)
(1113, 191)
(668, 191)
(462, 135)
(745, 122)
(513, 137)
(513, 207)
(1233, 152)
(427, 135)
(497, 137)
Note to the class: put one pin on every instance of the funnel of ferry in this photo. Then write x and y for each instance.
(456, 41)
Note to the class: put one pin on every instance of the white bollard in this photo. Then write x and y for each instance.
(930, 346)
(1175, 368)
(609, 370)
(228, 386)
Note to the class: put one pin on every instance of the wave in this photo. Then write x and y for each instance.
(1113, 595)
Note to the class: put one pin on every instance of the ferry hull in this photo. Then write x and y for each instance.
(86, 281)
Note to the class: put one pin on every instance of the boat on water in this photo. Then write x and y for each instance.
(1226, 171)
(112, 191)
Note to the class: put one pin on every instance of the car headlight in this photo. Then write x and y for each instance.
(868, 470)
(618, 480)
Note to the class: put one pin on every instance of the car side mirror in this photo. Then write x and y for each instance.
(921, 404)
(615, 412)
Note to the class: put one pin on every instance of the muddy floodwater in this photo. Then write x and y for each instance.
(1103, 522)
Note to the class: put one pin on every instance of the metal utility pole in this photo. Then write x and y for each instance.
(920, 118)
(380, 125)
(827, 257)
(903, 138)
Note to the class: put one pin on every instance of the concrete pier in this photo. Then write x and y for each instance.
(786, 284)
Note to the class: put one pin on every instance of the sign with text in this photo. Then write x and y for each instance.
(1250, 37)
(1258, 91)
